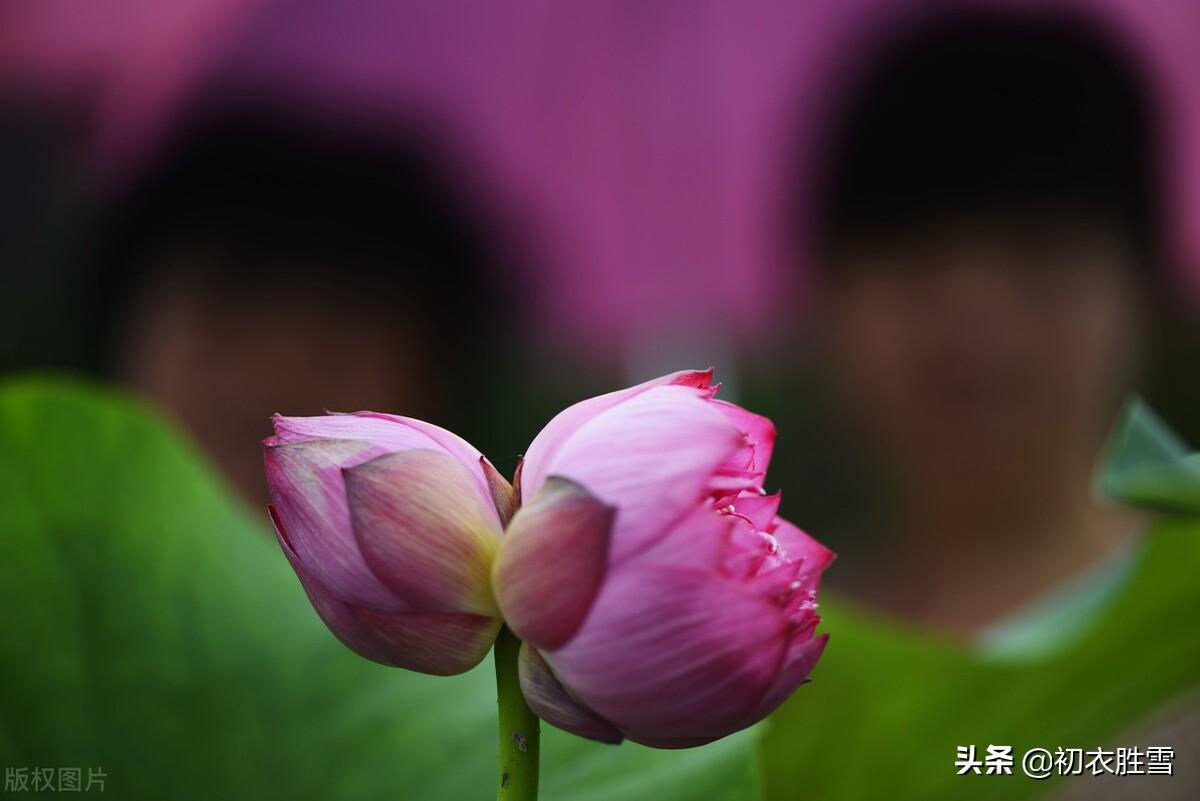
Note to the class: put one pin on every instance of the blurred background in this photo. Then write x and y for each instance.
(477, 214)
(937, 243)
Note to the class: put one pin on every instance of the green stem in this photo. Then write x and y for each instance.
(519, 727)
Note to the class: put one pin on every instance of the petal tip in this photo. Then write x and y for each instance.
(551, 701)
(557, 546)
(504, 495)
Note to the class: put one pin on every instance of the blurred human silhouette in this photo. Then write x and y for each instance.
(267, 265)
(989, 244)
(990, 253)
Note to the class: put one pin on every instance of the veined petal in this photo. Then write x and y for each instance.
(796, 546)
(451, 443)
(652, 457)
(503, 494)
(550, 701)
(759, 431)
(673, 656)
(552, 562)
(426, 530)
(439, 643)
(729, 483)
(309, 496)
(551, 438)
(335, 614)
(697, 540)
(802, 657)
(367, 426)
(390, 432)
(760, 510)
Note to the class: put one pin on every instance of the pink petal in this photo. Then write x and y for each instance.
(381, 430)
(796, 546)
(750, 550)
(547, 443)
(729, 482)
(309, 496)
(760, 510)
(551, 702)
(802, 656)
(335, 614)
(391, 432)
(426, 530)
(516, 482)
(439, 643)
(451, 443)
(777, 580)
(552, 562)
(503, 494)
(697, 540)
(652, 457)
(759, 431)
(673, 656)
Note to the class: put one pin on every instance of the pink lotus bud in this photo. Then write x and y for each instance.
(658, 594)
(392, 525)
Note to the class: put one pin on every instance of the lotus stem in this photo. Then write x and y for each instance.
(519, 727)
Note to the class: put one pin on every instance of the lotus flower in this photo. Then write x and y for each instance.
(658, 594)
(391, 525)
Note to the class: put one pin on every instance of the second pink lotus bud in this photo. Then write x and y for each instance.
(659, 595)
(391, 526)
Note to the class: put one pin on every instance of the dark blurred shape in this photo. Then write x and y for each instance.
(989, 250)
(988, 235)
(998, 115)
(266, 265)
(38, 220)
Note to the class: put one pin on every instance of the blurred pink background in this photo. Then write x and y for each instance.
(639, 147)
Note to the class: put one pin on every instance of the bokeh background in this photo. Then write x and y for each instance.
(610, 184)
(476, 213)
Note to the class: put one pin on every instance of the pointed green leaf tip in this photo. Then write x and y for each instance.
(1146, 465)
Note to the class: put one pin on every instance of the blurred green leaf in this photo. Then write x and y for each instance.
(1146, 465)
(153, 630)
(890, 702)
